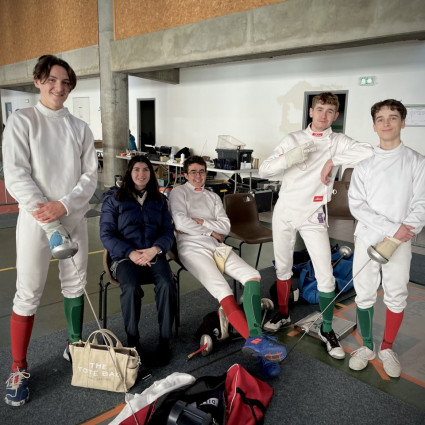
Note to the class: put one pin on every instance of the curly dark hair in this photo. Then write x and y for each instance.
(44, 66)
(394, 105)
(127, 190)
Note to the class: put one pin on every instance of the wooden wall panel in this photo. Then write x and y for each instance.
(31, 28)
(135, 17)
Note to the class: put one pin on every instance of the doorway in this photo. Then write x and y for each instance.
(339, 125)
(146, 122)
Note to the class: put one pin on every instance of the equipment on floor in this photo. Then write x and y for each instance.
(342, 264)
(206, 345)
(380, 253)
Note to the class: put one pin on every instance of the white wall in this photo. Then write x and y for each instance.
(85, 88)
(259, 102)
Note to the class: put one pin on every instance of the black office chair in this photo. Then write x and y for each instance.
(106, 279)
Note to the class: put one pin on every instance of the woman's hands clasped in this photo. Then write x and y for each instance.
(143, 257)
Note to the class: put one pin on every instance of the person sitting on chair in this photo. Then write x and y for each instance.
(136, 229)
(201, 222)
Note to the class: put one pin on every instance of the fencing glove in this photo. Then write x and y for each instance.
(220, 256)
(387, 247)
(299, 154)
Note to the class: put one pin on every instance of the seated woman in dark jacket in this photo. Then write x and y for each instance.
(136, 229)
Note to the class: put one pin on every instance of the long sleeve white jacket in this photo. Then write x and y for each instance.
(49, 156)
(388, 190)
(186, 202)
(302, 191)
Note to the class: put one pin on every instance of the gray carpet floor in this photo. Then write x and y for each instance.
(307, 391)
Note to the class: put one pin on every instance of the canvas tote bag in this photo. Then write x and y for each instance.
(93, 364)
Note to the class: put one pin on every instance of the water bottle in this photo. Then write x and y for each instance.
(182, 158)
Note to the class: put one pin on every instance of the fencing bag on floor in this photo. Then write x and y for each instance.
(96, 366)
(247, 397)
(233, 398)
(343, 273)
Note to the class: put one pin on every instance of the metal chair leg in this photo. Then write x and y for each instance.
(101, 293)
(105, 304)
(258, 256)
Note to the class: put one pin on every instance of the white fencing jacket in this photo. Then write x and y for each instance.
(186, 202)
(50, 156)
(302, 192)
(388, 190)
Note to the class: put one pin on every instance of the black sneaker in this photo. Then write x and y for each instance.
(279, 320)
(332, 344)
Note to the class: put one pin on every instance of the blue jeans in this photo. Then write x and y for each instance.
(131, 278)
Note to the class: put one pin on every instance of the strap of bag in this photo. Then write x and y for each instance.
(107, 334)
(251, 402)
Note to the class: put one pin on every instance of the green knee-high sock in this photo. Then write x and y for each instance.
(252, 307)
(324, 299)
(74, 311)
(365, 321)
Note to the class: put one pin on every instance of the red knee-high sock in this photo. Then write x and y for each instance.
(283, 292)
(20, 334)
(392, 325)
(235, 315)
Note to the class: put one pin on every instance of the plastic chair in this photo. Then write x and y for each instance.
(338, 206)
(106, 279)
(242, 211)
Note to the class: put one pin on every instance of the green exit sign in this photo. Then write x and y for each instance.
(367, 81)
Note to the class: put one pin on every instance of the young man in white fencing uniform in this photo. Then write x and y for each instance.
(307, 161)
(201, 223)
(387, 197)
(50, 168)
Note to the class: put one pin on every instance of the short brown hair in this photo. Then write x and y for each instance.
(326, 98)
(194, 159)
(394, 105)
(44, 66)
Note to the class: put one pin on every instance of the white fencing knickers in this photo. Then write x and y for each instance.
(315, 235)
(395, 277)
(33, 257)
(196, 253)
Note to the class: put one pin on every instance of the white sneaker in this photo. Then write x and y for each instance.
(332, 344)
(390, 362)
(360, 358)
(276, 322)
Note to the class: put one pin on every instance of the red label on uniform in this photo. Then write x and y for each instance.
(318, 199)
(198, 189)
(318, 134)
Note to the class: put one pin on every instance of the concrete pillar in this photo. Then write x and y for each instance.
(113, 99)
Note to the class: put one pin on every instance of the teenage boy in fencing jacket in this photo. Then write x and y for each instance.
(50, 168)
(387, 197)
(308, 160)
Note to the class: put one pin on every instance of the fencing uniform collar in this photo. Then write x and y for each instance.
(50, 112)
(195, 189)
(385, 152)
(319, 134)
